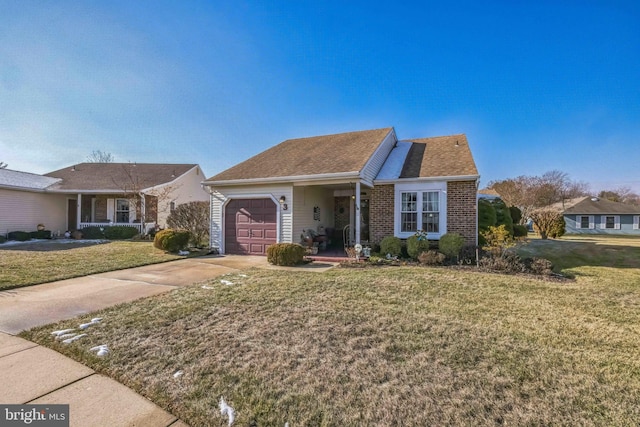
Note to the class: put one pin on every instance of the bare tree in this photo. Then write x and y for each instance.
(621, 195)
(98, 156)
(192, 216)
(529, 193)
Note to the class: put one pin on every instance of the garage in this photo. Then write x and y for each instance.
(250, 226)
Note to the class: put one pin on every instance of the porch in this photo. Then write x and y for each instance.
(102, 210)
(142, 228)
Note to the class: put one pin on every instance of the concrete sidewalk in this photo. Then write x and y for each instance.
(37, 375)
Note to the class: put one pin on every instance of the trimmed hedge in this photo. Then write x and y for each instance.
(417, 244)
(41, 234)
(520, 230)
(93, 232)
(451, 244)
(20, 236)
(119, 232)
(171, 240)
(391, 245)
(285, 254)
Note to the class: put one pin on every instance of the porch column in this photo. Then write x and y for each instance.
(357, 235)
(143, 213)
(79, 212)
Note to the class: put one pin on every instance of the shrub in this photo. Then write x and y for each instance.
(118, 232)
(3, 239)
(548, 223)
(431, 258)
(193, 216)
(557, 229)
(20, 236)
(503, 215)
(451, 244)
(391, 245)
(540, 266)
(417, 244)
(171, 240)
(520, 230)
(497, 240)
(41, 234)
(486, 218)
(285, 254)
(516, 214)
(93, 232)
(506, 263)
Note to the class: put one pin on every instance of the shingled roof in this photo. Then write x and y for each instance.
(318, 155)
(116, 177)
(25, 180)
(439, 156)
(598, 206)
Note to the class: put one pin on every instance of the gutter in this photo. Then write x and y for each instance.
(428, 179)
(285, 179)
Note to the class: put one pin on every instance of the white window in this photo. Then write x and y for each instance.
(585, 221)
(636, 222)
(420, 207)
(122, 210)
(431, 212)
(409, 212)
(610, 222)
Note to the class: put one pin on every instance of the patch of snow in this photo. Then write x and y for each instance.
(72, 339)
(178, 374)
(65, 336)
(227, 410)
(206, 287)
(62, 332)
(226, 282)
(102, 350)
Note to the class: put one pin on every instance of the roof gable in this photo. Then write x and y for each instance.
(303, 157)
(117, 176)
(439, 156)
(595, 205)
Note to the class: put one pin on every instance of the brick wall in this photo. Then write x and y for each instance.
(461, 209)
(381, 212)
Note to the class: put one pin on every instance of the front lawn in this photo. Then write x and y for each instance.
(384, 346)
(40, 262)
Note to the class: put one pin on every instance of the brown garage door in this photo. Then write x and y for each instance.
(250, 226)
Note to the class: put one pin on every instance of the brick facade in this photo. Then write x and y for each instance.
(461, 209)
(381, 212)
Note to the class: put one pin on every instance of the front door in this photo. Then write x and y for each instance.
(72, 214)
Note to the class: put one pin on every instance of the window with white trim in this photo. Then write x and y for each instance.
(611, 222)
(122, 210)
(420, 210)
(431, 212)
(585, 221)
(409, 212)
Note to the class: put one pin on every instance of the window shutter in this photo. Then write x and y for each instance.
(617, 222)
(592, 222)
(636, 222)
(603, 221)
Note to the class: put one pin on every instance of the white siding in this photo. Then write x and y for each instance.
(375, 163)
(24, 210)
(305, 200)
(221, 194)
(184, 189)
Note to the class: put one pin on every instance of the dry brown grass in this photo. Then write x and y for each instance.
(388, 346)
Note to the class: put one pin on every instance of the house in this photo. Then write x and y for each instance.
(97, 194)
(593, 215)
(361, 186)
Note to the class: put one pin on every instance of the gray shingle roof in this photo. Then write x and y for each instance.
(25, 181)
(318, 155)
(598, 206)
(117, 177)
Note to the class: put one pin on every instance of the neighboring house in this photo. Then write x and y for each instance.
(367, 180)
(86, 194)
(593, 215)
(25, 202)
(488, 194)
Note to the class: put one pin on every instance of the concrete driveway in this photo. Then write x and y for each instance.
(24, 308)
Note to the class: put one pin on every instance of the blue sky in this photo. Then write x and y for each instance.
(536, 86)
